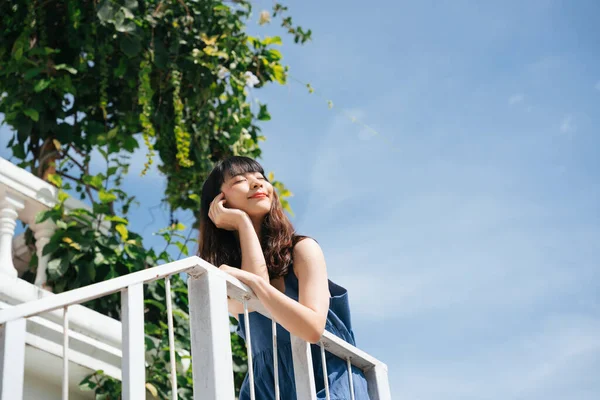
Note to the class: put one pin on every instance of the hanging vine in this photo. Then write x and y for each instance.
(103, 55)
(145, 94)
(182, 137)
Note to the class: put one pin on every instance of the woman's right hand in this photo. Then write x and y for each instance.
(225, 218)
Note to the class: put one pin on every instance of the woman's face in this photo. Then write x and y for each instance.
(238, 189)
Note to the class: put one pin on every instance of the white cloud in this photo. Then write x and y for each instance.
(556, 359)
(567, 125)
(336, 176)
(516, 98)
(431, 269)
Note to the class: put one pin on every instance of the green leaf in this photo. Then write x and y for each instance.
(43, 51)
(62, 196)
(99, 259)
(55, 179)
(155, 303)
(130, 45)
(106, 197)
(42, 216)
(150, 345)
(126, 26)
(279, 74)
(32, 113)
(112, 133)
(131, 4)
(274, 55)
(127, 13)
(152, 389)
(66, 68)
(115, 218)
(263, 114)
(120, 70)
(182, 247)
(20, 45)
(181, 314)
(152, 329)
(33, 72)
(87, 273)
(106, 12)
(87, 384)
(122, 231)
(123, 21)
(272, 40)
(94, 181)
(57, 267)
(51, 247)
(111, 171)
(41, 85)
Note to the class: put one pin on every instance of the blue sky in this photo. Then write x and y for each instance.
(468, 229)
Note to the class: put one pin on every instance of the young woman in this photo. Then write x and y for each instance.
(245, 232)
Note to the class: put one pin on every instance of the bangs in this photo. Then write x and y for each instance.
(238, 165)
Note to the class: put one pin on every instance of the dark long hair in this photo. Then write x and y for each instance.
(220, 246)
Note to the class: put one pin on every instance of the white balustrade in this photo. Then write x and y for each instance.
(12, 359)
(42, 233)
(65, 382)
(22, 197)
(208, 289)
(10, 206)
(303, 369)
(172, 359)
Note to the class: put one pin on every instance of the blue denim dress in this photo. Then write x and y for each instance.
(338, 323)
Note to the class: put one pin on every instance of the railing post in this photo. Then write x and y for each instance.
(134, 348)
(212, 364)
(378, 384)
(10, 206)
(303, 369)
(12, 359)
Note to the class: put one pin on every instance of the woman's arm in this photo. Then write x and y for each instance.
(253, 259)
(306, 317)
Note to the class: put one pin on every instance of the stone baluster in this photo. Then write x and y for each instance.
(10, 205)
(42, 233)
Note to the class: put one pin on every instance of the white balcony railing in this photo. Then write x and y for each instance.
(28, 310)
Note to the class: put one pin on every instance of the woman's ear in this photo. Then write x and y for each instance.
(224, 198)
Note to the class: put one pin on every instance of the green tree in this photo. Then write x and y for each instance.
(82, 75)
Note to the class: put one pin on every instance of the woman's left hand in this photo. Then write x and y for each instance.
(245, 277)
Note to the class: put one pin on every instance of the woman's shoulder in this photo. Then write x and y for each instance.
(305, 247)
(298, 238)
(298, 251)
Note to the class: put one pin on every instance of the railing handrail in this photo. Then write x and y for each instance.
(101, 289)
(194, 266)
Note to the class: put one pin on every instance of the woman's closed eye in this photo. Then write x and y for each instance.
(243, 179)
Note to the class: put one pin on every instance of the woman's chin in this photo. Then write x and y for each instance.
(258, 211)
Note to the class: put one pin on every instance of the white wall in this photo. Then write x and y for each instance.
(43, 377)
